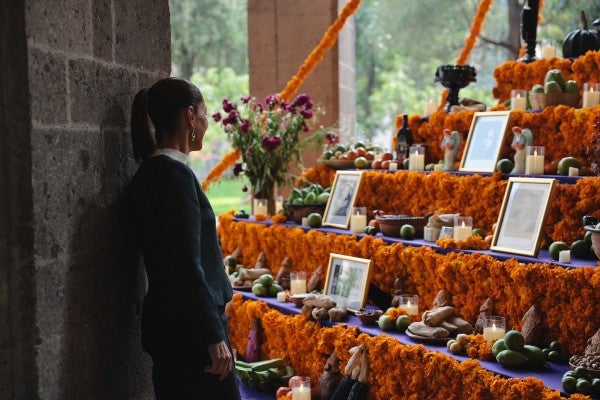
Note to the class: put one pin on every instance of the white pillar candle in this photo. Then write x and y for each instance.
(410, 309)
(416, 158)
(409, 303)
(493, 333)
(518, 100)
(591, 94)
(278, 203)
(564, 256)
(393, 166)
(430, 108)
(534, 164)
(304, 221)
(281, 297)
(358, 220)
(573, 171)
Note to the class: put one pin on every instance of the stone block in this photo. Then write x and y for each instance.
(64, 25)
(103, 29)
(52, 280)
(48, 87)
(143, 39)
(100, 95)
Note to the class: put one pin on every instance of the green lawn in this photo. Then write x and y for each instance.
(227, 195)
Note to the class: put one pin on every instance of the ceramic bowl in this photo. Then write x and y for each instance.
(368, 317)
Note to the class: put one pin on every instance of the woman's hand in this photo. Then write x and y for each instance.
(221, 359)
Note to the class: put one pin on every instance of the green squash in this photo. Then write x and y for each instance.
(580, 41)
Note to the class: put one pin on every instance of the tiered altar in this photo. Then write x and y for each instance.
(568, 294)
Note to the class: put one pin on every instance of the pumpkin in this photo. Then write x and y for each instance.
(580, 41)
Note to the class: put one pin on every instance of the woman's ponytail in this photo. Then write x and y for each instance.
(142, 141)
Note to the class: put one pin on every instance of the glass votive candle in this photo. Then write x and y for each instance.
(300, 386)
(297, 282)
(534, 160)
(358, 219)
(463, 228)
(494, 328)
(409, 303)
(548, 49)
(591, 94)
(260, 206)
(430, 108)
(416, 157)
(446, 231)
(518, 99)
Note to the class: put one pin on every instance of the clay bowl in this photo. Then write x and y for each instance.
(299, 211)
(389, 225)
(368, 317)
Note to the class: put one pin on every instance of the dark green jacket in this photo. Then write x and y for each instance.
(174, 228)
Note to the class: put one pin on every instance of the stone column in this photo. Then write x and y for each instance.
(281, 34)
(70, 289)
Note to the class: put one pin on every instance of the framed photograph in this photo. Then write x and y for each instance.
(342, 197)
(522, 216)
(347, 280)
(486, 135)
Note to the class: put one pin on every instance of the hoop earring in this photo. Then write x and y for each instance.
(193, 135)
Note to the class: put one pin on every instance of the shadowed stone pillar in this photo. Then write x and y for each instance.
(281, 34)
(70, 292)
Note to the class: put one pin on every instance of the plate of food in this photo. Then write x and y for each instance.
(338, 164)
(428, 339)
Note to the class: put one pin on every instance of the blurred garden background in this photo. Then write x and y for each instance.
(399, 45)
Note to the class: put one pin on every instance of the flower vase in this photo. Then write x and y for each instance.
(265, 193)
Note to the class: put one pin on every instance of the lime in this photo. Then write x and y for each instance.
(498, 346)
(259, 289)
(584, 386)
(554, 356)
(569, 384)
(385, 323)
(596, 385)
(580, 249)
(580, 372)
(273, 290)
(402, 322)
(555, 248)
(479, 232)
(505, 166)
(371, 230)
(514, 340)
(361, 162)
(555, 345)
(323, 198)
(407, 232)
(405, 163)
(327, 154)
(266, 279)
(298, 201)
(314, 220)
(588, 237)
(310, 198)
(359, 144)
(565, 163)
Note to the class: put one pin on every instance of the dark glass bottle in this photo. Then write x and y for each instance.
(403, 139)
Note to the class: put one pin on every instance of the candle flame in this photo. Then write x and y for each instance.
(535, 152)
(408, 303)
(416, 152)
(494, 326)
(463, 224)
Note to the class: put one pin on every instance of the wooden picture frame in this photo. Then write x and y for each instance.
(342, 197)
(482, 148)
(522, 216)
(347, 280)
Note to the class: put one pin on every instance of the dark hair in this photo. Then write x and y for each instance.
(163, 103)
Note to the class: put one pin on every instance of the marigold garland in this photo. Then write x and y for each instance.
(418, 373)
(478, 19)
(569, 298)
(215, 173)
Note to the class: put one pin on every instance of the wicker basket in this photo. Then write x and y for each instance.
(571, 99)
(537, 100)
(390, 225)
(299, 211)
(554, 99)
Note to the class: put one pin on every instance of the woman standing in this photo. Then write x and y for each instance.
(184, 328)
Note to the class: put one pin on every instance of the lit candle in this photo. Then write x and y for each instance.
(358, 220)
(297, 282)
(591, 94)
(411, 309)
(409, 303)
(534, 164)
(301, 393)
(416, 158)
(573, 171)
(462, 231)
(548, 49)
(278, 203)
(493, 333)
(564, 256)
(260, 207)
(430, 108)
(518, 100)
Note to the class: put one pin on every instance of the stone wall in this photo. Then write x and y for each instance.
(70, 291)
